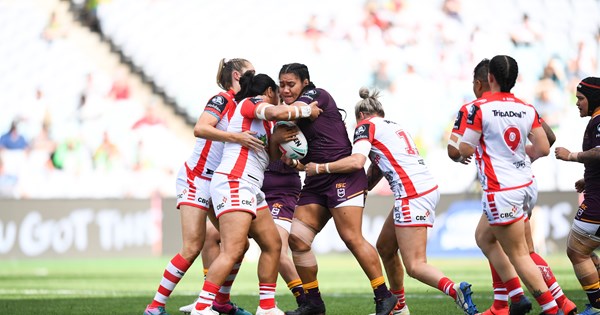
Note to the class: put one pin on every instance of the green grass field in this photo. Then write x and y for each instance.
(125, 286)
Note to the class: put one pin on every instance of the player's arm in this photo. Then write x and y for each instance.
(374, 175)
(206, 128)
(591, 155)
(469, 141)
(549, 133)
(349, 164)
(539, 144)
(281, 133)
(266, 111)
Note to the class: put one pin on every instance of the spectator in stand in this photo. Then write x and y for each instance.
(150, 118)
(8, 183)
(120, 89)
(13, 139)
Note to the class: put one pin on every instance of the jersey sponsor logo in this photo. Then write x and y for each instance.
(389, 122)
(508, 113)
(256, 100)
(361, 132)
(519, 164)
(472, 114)
(202, 200)
(598, 131)
(458, 120)
(509, 214)
(182, 194)
(312, 94)
(276, 208)
(422, 217)
(217, 103)
(341, 189)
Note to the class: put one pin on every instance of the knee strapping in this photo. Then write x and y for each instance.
(306, 234)
(583, 270)
(303, 232)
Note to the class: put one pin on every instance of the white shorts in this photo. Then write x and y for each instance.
(418, 211)
(509, 206)
(192, 191)
(236, 194)
(285, 224)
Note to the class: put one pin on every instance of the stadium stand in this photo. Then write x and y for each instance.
(420, 53)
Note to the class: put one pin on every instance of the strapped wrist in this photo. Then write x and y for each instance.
(305, 111)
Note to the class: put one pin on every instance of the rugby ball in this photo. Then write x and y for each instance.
(294, 149)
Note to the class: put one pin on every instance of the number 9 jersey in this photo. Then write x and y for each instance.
(498, 127)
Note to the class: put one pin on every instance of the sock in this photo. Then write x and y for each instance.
(401, 298)
(513, 286)
(447, 286)
(549, 278)
(267, 295)
(224, 296)
(500, 292)
(312, 293)
(207, 295)
(176, 268)
(593, 294)
(547, 303)
(297, 290)
(380, 289)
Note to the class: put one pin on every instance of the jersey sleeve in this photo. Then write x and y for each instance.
(474, 119)
(248, 107)
(217, 106)
(460, 121)
(364, 131)
(537, 121)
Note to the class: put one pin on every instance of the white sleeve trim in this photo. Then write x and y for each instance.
(362, 147)
(471, 137)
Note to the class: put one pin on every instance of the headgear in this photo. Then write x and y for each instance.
(590, 88)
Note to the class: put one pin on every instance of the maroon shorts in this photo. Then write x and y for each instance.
(281, 192)
(330, 190)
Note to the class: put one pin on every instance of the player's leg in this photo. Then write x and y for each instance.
(308, 220)
(512, 239)
(287, 270)
(265, 233)
(234, 227)
(566, 305)
(388, 252)
(193, 213)
(484, 237)
(348, 222)
(581, 244)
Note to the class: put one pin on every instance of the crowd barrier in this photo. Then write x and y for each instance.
(93, 228)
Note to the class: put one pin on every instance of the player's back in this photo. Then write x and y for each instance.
(506, 122)
(396, 154)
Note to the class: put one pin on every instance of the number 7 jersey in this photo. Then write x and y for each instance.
(394, 152)
(504, 122)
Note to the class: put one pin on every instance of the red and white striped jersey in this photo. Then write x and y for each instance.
(504, 123)
(394, 151)
(239, 161)
(207, 153)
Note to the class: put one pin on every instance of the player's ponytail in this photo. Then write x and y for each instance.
(370, 104)
(225, 71)
(253, 85)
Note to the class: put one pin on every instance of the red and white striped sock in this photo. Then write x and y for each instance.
(401, 298)
(547, 303)
(447, 286)
(500, 292)
(224, 294)
(513, 286)
(549, 278)
(207, 295)
(267, 295)
(176, 268)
